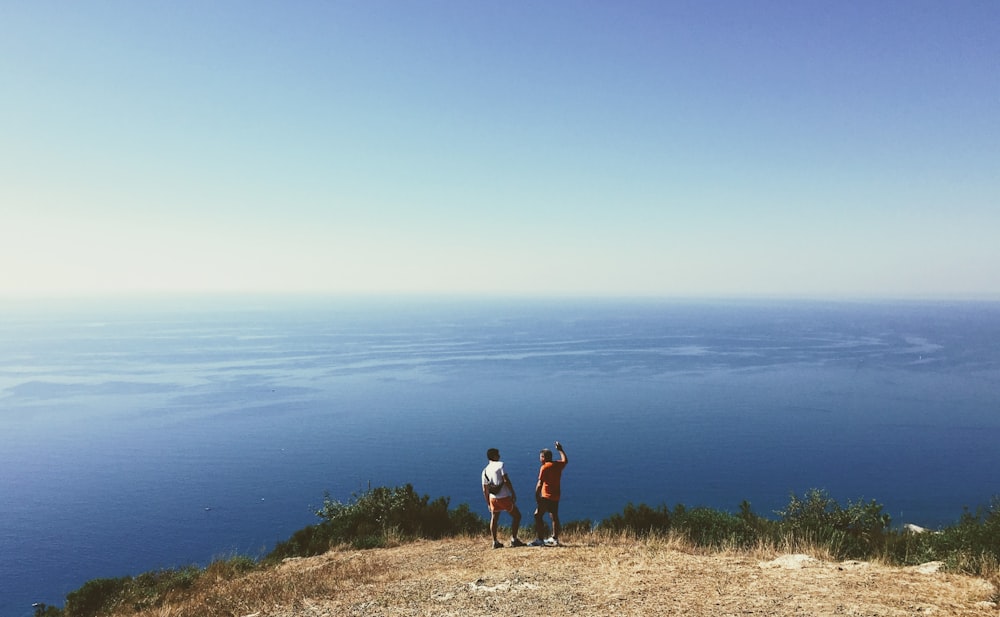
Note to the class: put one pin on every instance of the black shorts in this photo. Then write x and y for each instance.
(547, 505)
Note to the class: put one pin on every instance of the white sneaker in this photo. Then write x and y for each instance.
(552, 542)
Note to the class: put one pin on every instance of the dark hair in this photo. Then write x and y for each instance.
(493, 454)
(546, 455)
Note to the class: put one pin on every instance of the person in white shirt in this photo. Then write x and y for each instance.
(498, 491)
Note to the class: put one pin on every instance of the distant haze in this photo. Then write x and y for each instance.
(598, 148)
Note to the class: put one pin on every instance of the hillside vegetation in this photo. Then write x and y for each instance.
(390, 551)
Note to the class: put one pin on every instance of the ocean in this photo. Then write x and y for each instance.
(140, 435)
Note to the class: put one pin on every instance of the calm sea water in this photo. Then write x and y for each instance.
(139, 436)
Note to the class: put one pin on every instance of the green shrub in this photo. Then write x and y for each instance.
(149, 589)
(466, 522)
(972, 545)
(95, 596)
(702, 526)
(906, 548)
(641, 520)
(369, 519)
(714, 528)
(306, 542)
(857, 531)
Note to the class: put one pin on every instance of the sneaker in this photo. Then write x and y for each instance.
(537, 542)
(497, 544)
(516, 543)
(552, 542)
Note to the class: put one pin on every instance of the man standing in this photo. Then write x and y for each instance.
(498, 491)
(547, 495)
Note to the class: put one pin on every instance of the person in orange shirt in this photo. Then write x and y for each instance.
(547, 495)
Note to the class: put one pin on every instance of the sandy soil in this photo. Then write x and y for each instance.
(619, 577)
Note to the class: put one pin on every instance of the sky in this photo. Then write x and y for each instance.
(706, 148)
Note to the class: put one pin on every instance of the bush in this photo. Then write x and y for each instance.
(306, 542)
(972, 545)
(859, 530)
(715, 528)
(149, 589)
(466, 522)
(641, 520)
(94, 597)
(372, 518)
(702, 526)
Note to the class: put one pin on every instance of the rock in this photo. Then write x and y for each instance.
(791, 562)
(931, 567)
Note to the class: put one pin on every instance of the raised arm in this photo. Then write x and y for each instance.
(562, 453)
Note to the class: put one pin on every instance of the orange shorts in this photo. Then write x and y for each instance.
(503, 504)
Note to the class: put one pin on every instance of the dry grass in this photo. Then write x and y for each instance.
(593, 574)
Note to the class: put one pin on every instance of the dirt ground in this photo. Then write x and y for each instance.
(620, 577)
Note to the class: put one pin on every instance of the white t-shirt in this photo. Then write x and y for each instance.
(494, 472)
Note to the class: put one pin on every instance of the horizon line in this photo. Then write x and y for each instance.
(152, 295)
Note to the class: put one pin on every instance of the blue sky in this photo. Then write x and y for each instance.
(704, 148)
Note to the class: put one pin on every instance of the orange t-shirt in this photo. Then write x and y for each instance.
(549, 475)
